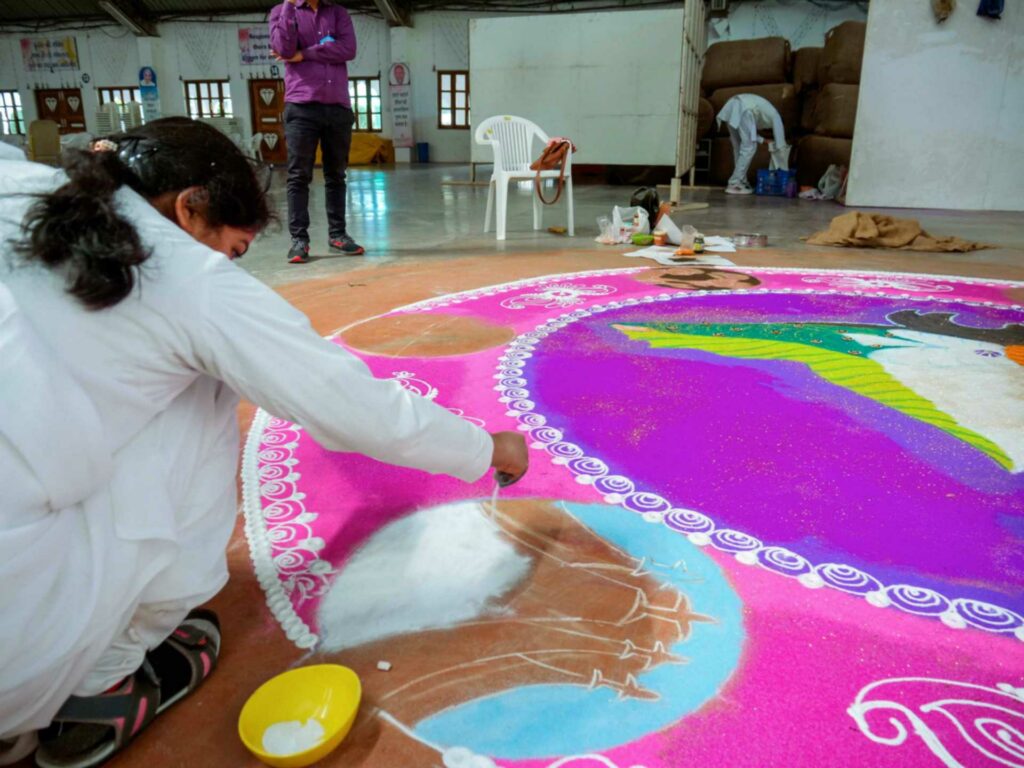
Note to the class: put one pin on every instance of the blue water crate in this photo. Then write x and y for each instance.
(775, 183)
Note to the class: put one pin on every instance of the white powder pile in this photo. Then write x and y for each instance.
(292, 736)
(433, 569)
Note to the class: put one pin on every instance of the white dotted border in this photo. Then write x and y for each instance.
(256, 530)
(960, 612)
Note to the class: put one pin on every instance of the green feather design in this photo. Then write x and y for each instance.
(845, 369)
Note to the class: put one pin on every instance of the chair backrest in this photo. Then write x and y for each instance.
(132, 115)
(256, 146)
(116, 115)
(229, 126)
(512, 138)
(105, 122)
(82, 141)
(43, 140)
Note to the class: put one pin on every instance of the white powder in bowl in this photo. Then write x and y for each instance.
(292, 736)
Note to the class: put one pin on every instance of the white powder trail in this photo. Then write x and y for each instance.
(432, 569)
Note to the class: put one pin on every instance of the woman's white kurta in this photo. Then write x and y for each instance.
(118, 502)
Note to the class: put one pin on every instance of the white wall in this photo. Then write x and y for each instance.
(435, 41)
(940, 120)
(801, 22)
(185, 50)
(439, 40)
(609, 81)
(109, 55)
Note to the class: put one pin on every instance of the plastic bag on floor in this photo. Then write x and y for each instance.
(829, 186)
(624, 223)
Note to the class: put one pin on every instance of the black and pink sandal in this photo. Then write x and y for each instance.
(88, 730)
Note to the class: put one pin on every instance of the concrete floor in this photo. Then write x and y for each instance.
(424, 240)
(408, 214)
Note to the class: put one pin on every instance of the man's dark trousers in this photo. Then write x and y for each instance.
(305, 126)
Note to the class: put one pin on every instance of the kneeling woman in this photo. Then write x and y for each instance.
(126, 337)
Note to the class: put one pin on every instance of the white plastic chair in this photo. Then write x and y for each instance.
(255, 148)
(108, 120)
(512, 139)
(132, 115)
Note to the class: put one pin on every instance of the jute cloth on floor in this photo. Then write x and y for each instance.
(873, 230)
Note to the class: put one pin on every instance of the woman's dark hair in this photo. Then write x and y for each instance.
(78, 227)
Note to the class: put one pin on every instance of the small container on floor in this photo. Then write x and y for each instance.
(330, 690)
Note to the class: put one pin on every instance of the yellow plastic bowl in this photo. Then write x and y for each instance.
(328, 692)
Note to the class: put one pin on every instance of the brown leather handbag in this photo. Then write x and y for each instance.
(554, 156)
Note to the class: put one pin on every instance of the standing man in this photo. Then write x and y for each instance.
(315, 40)
(745, 114)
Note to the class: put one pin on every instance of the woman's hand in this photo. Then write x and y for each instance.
(510, 459)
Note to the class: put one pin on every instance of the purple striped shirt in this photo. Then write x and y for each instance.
(327, 41)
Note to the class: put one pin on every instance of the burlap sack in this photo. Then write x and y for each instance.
(836, 110)
(705, 118)
(843, 53)
(805, 68)
(814, 154)
(781, 95)
(722, 164)
(746, 62)
(875, 230)
(808, 106)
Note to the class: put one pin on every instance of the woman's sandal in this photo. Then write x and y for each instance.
(88, 730)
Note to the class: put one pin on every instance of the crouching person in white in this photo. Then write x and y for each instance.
(125, 335)
(744, 115)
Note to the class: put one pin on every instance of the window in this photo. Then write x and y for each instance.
(453, 99)
(364, 93)
(208, 98)
(120, 95)
(12, 121)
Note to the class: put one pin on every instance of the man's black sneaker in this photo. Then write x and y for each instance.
(346, 245)
(299, 252)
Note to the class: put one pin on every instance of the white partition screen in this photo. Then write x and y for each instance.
(609, 81)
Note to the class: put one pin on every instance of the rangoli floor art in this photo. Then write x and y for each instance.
(774, 517)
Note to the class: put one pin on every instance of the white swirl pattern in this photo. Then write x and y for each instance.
(586, 761)
(453, 299)
(281, 543)
(557, 295)
(428, 391)
(963, 724)
(702, 529)
(911, 284)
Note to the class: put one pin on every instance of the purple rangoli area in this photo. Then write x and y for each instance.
(827, 468)
(771, 449)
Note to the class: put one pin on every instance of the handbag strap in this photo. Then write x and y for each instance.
(565, 147)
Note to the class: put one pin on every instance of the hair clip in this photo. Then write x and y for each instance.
(104, 145)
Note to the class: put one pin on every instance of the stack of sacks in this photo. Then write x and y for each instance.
(705, 118)
(830, 109)
(759, 66)
(805, 82)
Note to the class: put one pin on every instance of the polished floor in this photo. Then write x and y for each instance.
(430, 213)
